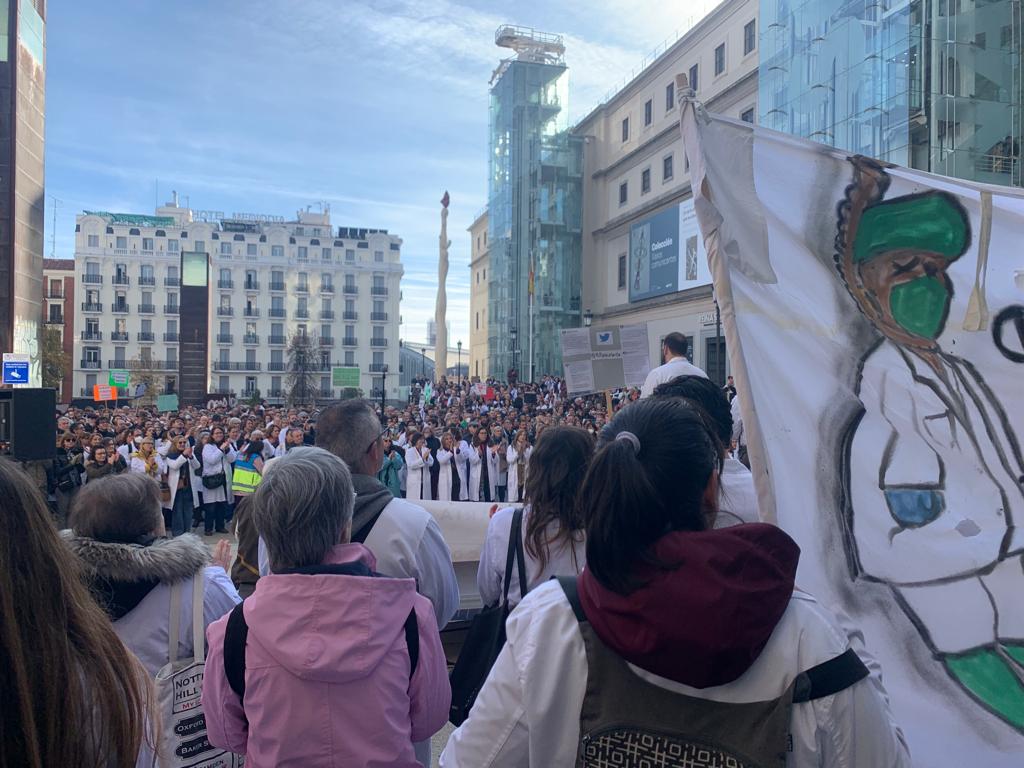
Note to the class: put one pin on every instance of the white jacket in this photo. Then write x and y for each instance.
(514, 480)
(527, 713)
(173, 469)
(444, 475)
(417, 483)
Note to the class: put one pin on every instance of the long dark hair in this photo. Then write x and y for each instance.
(632, 498)
(73, 694)
(558, 466)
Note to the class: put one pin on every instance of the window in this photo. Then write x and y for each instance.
(749, 36)
(623, 192)
(694, 71)
(146, 274)
(625, 129)
(478, 321)
(147, 243)
(92, 268)
(350, 254)
(485, 274)
(121, 242)
(225, 329)
(670, 97)
(378, 255)
(172, 300)
(648, 112)
(622, 271)
(478, 277)
(172, 246)
(747, 115)
(325, 254)
(350, 357)
(720, 59)
(94, 241)
(666, 168)
(303, 253)
(172, 326)
(326, 280)
(200, 246)
(378, 360)
(645, 181)
(303, 280)
(277, 251)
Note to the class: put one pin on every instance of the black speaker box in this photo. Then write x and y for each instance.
(28, 422)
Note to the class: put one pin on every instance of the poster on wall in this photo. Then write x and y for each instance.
(666, 253)
(600, 359)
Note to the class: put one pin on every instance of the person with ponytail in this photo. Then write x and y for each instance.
(73, 694)
(677, 638)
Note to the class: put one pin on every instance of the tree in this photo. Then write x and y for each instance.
(254, 399)
(303, 365)
(349, 393)
(55, 361)
(143, 371)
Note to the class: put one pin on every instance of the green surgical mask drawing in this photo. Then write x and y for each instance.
(920, 305)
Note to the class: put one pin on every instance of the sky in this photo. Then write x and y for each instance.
(269, 106)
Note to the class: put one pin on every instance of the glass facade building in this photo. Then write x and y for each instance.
(534, 207)
(931, 84)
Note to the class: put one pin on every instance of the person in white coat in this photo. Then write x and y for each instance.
(462, 451)
(217, 456)
(419, 461)
(445, 462)
(116, 534)
(180, 465)
(552, 529)
(518, 455)
(475, 466)
(614, 661)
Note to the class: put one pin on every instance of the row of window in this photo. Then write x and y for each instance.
(302, 252)
(92, 358)
(147, 276)
(749, 44)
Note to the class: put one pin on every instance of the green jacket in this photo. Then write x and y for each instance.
(388, 474)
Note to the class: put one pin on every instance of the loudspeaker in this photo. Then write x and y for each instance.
(28, 422)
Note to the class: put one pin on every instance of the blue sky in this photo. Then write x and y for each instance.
(269, 106)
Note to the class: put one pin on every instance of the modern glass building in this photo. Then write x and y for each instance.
(932, 84)
(534, 206)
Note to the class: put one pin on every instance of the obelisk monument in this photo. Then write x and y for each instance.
(441, 309)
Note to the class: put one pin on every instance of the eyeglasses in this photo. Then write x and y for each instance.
(378, 437)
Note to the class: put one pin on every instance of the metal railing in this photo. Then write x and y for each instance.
(378, 290)
(276, 312)
(251, 338)
(350, 290)
(120, 280)
(302, 314)
(92, 306)
(378, 342)
(225, 338)
(119, 336)
(326, 341)
(277, 366)
(92, 335)
(52, 294)
(302, 288)
(379, 317)
(223, 366)
(277, 339)
(57, 319)
(251, 312)
(327, 314)
(347, 315)
(144, 280)
(226, 311)
(350, 341)
(170, 337)
(145, 336)
(252, 285)
(171, 309)
(91, 365)
(87, 278)
(277, 286)
(326, 288)
(226, 284)
(171, 282)
(121, 309)
(147, 309)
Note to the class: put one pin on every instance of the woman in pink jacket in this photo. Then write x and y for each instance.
(340, 666)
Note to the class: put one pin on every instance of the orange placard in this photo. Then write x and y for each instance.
(102, 392)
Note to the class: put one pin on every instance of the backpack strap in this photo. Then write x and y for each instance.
(568, 584)
(830, 677)
(412, 640)
(235, 636)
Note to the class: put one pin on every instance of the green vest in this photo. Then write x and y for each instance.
(245, 477)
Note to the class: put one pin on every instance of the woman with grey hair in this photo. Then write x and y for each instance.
(117, 533)
(327, 663)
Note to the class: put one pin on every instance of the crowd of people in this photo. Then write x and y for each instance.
(653, 617)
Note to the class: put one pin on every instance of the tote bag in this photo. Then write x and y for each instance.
(179, 694)
(486, 635)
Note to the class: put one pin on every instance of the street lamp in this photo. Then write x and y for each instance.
(513, 332)
(383, 389)
(423, 362)
(459, 345)
(588, 318)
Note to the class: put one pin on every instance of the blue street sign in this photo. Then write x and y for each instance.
(15, 372)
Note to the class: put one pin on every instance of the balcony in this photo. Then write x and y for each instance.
(170, 337)
(171, 309)
(325, 365)
(350, 341)
(171, 282)
(225, 338)
(277, 286)
(378, 317)
(327, 314)
(326, 341)
(275, 393)
(55, 319)
(119, 336)
(277, 366)
(220, 365)
(378, 342)
(251, 312)
(277, 340)
(219, 391)
(120, 280)
(325, 394)
(145, 336)
(147, 280)
(226, 284)
(350, 315)
(302, 314)
(251, 338)
(147, 309)
(97, 279)
(302, 288)
(252, 285)
(278, 312)
(120, 309)
(90, 365)
(92, 335)
(92, 306)
(350, 290)
(52, 294)
(378, 290)
(225, 311)
(377, 368)
(326, 288)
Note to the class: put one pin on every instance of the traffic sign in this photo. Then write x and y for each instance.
(344, 377)
(15, 368)
(118, 378)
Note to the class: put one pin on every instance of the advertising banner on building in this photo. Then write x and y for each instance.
(600, 359)
(666, 253)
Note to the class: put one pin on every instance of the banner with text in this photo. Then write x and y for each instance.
(666, 253)
(599, 359)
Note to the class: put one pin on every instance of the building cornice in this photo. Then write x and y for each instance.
(681, 297)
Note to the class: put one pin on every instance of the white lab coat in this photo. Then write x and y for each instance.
(444, 475)
(417, 483)
(462, 451)
(945, 439)
(515, 482)
(173, 469)
(494, 457)
(528, 712)
(216, 461)
(737, 499)
(475, 472)
(677, 366)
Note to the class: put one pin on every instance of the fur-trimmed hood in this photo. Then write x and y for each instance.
(165, 560)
